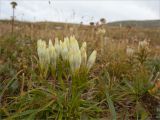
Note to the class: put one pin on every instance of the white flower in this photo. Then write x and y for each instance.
(91, 59)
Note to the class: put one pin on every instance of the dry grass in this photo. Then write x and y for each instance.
(120, 83)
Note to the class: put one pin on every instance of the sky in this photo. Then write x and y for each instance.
(81, 10)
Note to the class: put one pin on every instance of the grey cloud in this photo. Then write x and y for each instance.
(153, 5)
(86, 11)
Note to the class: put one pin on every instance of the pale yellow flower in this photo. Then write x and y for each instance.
(57, 47)
(75, 60)
(66, 40)
(41, 46)
(52, 54)
(41, 50)
(71, 60)
(91, 59)
(73, 43)
(64, 51)
(47, 57)
(83, 53)
(69, 51)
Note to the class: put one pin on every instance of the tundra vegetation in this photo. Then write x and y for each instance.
(66, 71)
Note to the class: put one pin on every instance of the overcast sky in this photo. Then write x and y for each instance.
(81, 10)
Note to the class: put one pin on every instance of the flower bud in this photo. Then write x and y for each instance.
(73, 44)
(52, 54)
(77, 59)
(66, 40)
(71, 61)
(83, 53)
(57, 47)
(91, 59)
(64, 51)
(41, 49)
(47, 57)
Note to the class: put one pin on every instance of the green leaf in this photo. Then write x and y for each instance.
(111, 106)
(9, 84)
(22, 114)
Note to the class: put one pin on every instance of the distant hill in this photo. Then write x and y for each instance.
(134, 23)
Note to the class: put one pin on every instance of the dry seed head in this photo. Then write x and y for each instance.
(129, 51)
(143, 45)
(84, 45)
(101, 31)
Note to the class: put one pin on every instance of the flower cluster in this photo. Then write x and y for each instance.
(68, 51)
(43, 54)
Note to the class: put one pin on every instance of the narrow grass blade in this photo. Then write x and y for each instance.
(111, 106)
